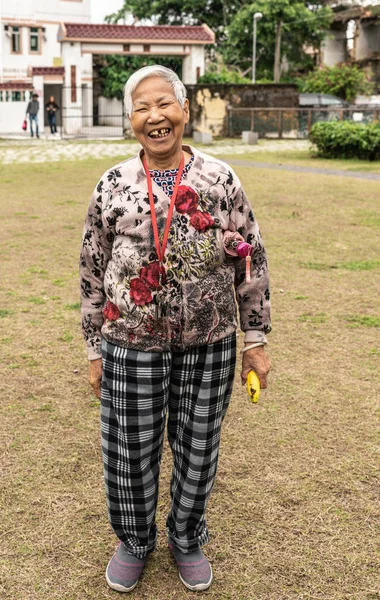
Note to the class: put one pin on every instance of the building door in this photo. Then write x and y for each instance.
(53, 89)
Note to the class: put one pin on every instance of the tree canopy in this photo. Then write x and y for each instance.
(302, 24)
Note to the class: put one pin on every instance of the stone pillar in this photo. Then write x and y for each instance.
(334, 47)
(87, 90)
(38, 87)
(193, 65)
(72, 88)
(368, 40)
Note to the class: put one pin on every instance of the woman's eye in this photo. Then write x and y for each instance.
(164, 104)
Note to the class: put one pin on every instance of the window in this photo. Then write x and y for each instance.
(34, 39)
(16, 96)
(146, 48)
(6, 96)
(1, 95)
(126, 48)
(16, 40)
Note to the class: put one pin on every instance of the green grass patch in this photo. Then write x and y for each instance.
(364, 265)
(36, 300)
(59, 282)
(37, 271)
(5, 312)
(320, 317)
(362, 321)
(75, 306)
(316, 266)
(369, 218)
(66, 337)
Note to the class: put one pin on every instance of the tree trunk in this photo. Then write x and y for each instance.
(277, 55)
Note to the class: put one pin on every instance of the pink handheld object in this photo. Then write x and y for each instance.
(235, 245)
(245, 249)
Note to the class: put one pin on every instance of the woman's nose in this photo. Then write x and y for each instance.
(155, 115)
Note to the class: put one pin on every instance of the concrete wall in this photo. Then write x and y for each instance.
(368, 41)
(209, 103)
(110, 112)
(334, 48)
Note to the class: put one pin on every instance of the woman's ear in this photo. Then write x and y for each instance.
(186, 110)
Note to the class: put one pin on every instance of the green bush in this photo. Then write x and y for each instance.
(345, 81)
(346, 139)
(223, 75)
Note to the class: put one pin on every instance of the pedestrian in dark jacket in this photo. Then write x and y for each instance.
(51, 108)
(32, 111)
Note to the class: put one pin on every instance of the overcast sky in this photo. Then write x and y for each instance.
(101, 8)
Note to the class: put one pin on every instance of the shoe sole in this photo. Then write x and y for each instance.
(200, 587)
(117, 586)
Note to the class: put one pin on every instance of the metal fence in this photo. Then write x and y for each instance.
(90, 115)
(292, 123)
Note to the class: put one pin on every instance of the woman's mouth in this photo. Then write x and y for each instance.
(159, 133)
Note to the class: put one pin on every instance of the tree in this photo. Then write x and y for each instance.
(290, 23)
(297, 22)
(114, 70)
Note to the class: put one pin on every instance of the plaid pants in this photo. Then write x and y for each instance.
(138, 390)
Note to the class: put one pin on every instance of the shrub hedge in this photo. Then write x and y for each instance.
(346, 139)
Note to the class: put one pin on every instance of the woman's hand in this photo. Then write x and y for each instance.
(95, 376)
(256, 360)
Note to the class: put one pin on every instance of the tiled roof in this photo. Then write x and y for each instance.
(15, 85)
(48, 70)
(182, 33)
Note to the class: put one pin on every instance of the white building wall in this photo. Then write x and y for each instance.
(47, 10)
(195, 60)
(15, 66)
(12, 115)
(38, 13)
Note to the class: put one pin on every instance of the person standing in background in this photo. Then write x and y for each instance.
(32, 110)
(51, 108)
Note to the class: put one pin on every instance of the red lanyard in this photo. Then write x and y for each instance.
(161, 249)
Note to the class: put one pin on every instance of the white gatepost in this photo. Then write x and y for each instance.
(72, 88)
(193, 65)
(38, 88)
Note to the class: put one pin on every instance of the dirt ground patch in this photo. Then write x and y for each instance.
(294, 514)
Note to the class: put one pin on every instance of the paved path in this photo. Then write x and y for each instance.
(55, 150)
(297, 169)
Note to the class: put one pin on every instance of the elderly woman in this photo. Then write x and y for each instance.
(159, 318)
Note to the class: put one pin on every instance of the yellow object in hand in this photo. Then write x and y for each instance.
(253, 386)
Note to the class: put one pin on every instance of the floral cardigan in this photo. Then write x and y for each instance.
(121, 278)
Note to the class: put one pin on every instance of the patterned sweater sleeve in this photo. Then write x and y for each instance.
(95, 253)
(253, 297)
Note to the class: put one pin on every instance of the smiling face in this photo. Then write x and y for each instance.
(158, 122)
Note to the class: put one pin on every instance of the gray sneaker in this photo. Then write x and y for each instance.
(124, 570)
(194, 569)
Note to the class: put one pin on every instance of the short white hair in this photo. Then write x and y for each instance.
(153, 71)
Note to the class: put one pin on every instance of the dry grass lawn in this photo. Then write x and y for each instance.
(295, 511)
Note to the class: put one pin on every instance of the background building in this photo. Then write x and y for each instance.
(47, 47)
